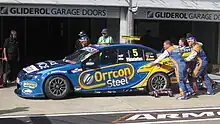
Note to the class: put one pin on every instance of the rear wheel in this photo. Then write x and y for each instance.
(57, 87)
(158, 81)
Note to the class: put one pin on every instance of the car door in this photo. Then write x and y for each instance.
(97, 71)
(137, 57)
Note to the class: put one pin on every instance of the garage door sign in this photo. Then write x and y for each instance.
(53, 11)
(183, 15)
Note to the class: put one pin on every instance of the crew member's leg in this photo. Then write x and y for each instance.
(186, 75)
(180, 71)
(201, 71)
(192, 79)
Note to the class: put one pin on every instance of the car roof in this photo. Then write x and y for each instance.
(100, 47)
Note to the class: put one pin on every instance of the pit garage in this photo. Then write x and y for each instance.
(157, 25)
(50, 32)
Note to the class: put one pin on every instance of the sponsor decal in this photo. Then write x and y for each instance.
(135, 59)
(76, 70)
(58, 71)
(39, 65)
(104, 77)
(16, 10)
(27, 91)
(121, 57)
(31, 85)
(30, 69)
(44, 65)
(90, 49)
(183, 15)
(88, 79)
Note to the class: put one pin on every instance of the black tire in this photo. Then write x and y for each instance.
(163, 85)
(51, 85)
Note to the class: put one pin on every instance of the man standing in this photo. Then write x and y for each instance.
(174, 54)
(84, 40)
(11, 56)
(78, 44)
(200, 57)
(105, 38)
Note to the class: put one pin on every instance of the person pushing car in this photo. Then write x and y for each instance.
(200, 57)
(174, 53)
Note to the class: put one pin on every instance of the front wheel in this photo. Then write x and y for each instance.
(57, 87)
(158, 81)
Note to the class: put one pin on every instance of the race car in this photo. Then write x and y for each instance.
(96, 69)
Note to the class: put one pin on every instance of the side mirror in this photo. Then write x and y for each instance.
(90, 64)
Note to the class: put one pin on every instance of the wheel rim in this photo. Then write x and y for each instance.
(58, 86)
(159, 82)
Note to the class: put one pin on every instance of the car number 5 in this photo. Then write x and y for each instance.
(135, 52)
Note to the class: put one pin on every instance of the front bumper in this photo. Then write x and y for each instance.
(28, 92)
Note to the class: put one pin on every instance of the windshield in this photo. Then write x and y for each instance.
(78, 55)
(81, 54)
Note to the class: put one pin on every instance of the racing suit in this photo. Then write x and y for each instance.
(186, 50)
(174, 54)
(200, 57)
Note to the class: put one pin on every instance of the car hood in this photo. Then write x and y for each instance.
(46, 65)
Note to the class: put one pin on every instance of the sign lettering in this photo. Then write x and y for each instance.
(210, 16)
(141, 117)
(162, 116)
(53, 11)
(187, 115)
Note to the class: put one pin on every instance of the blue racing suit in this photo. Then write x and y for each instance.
(201, 65)
(175, 55)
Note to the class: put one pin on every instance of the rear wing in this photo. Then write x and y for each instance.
(131, 38)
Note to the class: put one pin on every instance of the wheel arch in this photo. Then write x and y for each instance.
(57, 74)
(159, 72)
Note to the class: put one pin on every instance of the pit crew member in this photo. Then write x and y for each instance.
(174, 54)
(201, 63)
(183, 45)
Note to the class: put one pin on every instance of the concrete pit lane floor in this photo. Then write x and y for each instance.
(11, 104)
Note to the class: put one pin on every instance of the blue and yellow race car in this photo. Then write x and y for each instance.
(96, 69)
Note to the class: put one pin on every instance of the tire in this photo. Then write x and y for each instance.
(161, 85)
(55, 90)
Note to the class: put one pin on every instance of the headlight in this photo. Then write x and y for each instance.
(17, 80)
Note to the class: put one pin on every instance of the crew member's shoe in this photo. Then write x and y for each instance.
(191, 94)
(214, 85)
(182, 97)
(208, 93)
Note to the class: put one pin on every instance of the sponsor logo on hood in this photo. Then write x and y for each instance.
(41, 66)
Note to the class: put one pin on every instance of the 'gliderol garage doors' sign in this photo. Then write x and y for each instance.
(183, 15)
(53, 11)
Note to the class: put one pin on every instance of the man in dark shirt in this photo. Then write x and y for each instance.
(78, 44)
(11, 56)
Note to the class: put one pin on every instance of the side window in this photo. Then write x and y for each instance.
(149, 55)
(109, 56)
(94, 58)
(130, 55)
